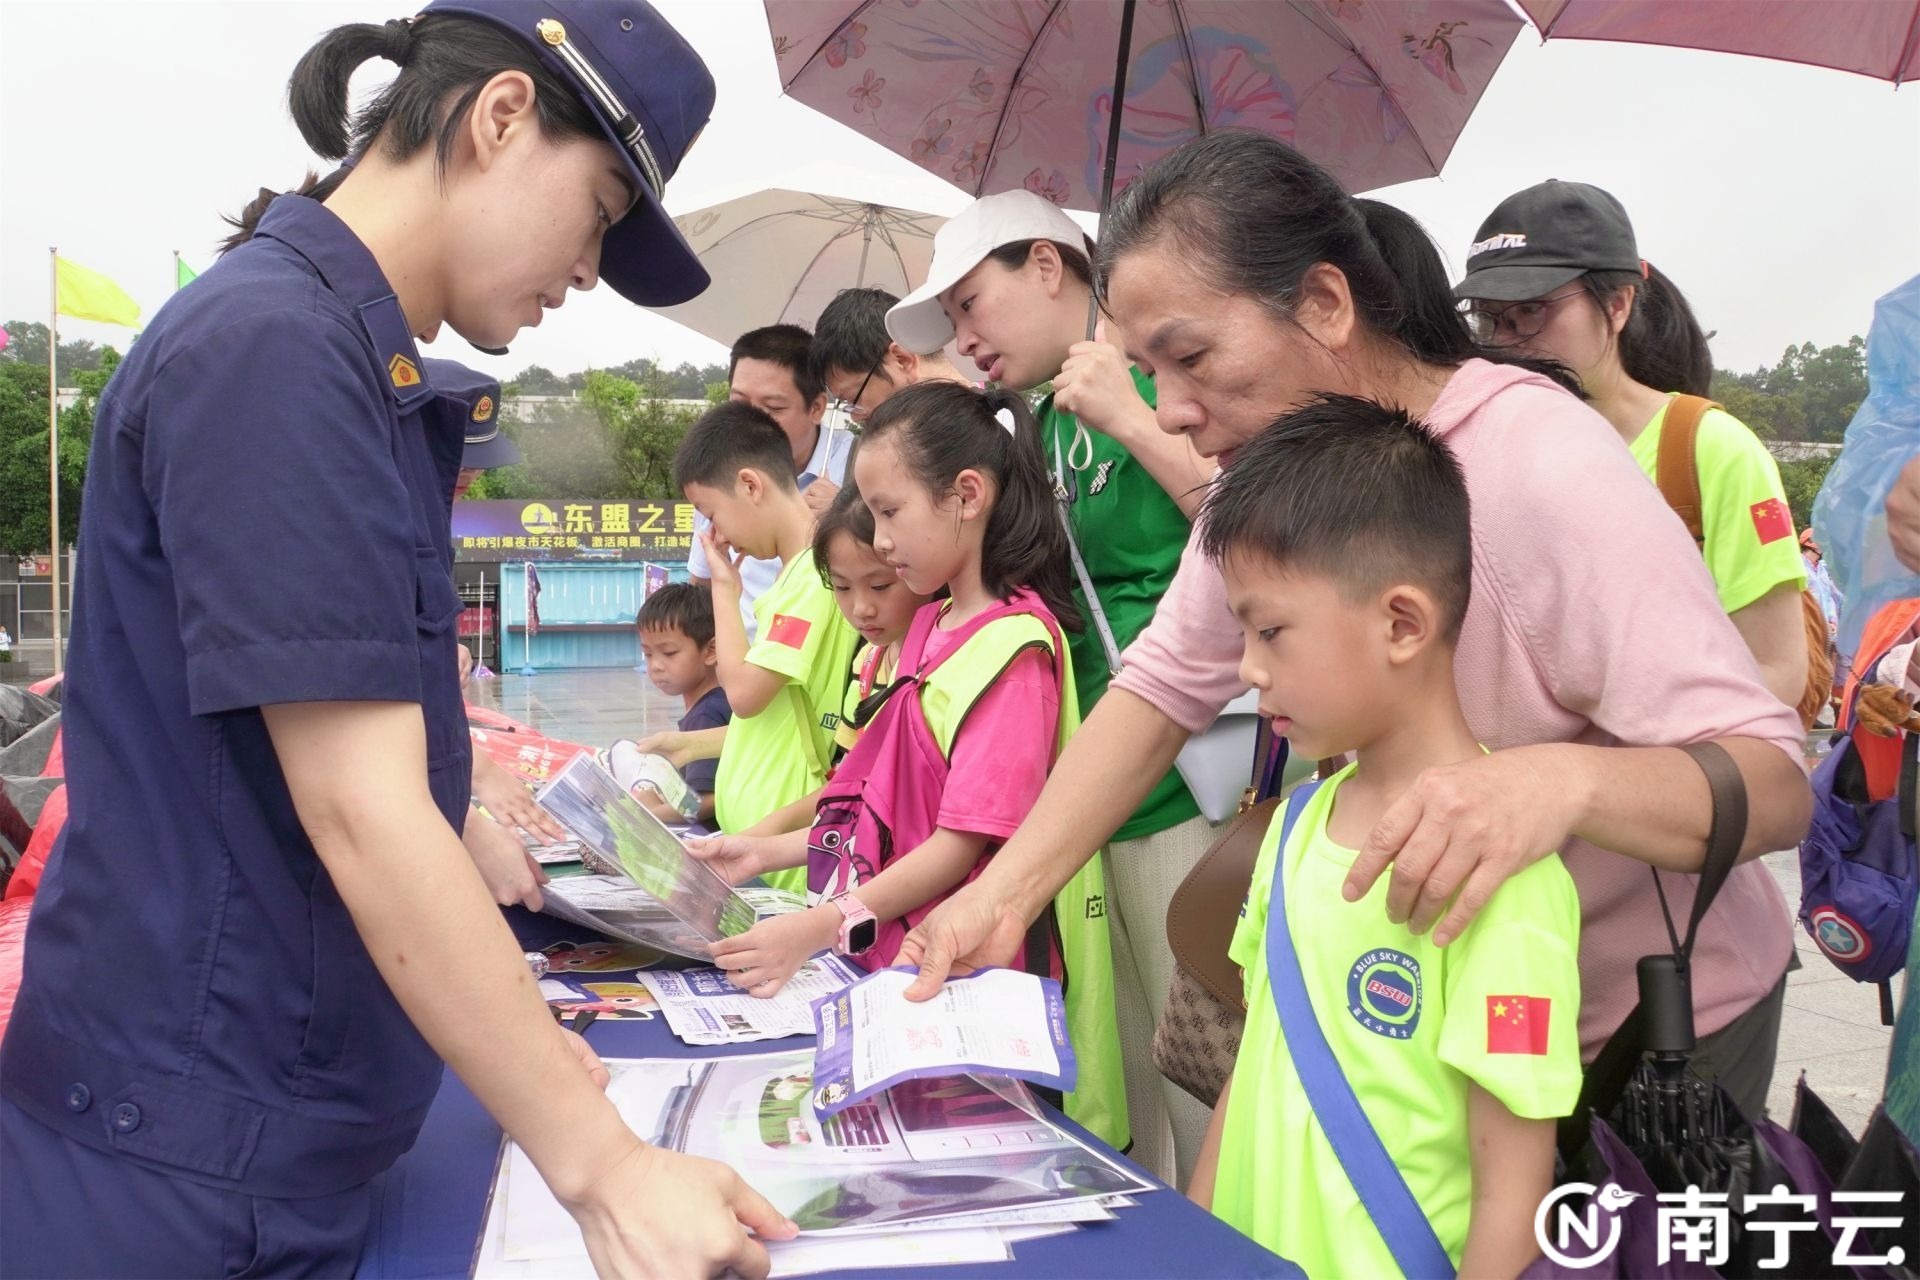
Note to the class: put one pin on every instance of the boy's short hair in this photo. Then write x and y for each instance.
(851, 333)
(1353, 491)
(849, 515)
(787, 345)
(682, 607)
(727, 439)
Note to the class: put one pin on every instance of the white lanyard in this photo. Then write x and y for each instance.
(1064, 502)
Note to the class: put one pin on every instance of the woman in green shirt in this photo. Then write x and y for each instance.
(1010, 286)
(1555, 272)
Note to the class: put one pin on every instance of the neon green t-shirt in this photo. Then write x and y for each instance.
(774, 758)
(1131, 534)
(1410, 1024)
(1750, 548)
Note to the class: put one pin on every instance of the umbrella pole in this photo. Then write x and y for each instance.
(1113, 139)
(866, 243)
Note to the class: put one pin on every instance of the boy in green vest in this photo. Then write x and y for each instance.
(735, 466)
(1343, 536)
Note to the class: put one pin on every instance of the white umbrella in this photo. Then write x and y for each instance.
(780, 256)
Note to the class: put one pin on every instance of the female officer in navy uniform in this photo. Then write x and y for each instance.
(247, 962)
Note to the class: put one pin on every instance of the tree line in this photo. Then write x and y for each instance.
(614, 433)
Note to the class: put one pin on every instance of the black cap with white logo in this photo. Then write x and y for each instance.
(1545, 236)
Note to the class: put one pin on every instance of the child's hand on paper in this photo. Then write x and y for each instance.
(763, 959)
(736, 859)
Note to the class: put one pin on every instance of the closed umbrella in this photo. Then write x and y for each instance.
(779, 256)
(1878, 38)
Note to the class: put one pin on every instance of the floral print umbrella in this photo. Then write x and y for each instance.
(998, 94)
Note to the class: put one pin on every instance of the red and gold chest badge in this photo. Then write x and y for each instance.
(403, 372)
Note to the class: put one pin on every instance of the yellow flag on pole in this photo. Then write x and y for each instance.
(88, 295)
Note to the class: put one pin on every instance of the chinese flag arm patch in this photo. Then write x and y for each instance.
(1771, 520)
(789, 631)
(1518, 1024)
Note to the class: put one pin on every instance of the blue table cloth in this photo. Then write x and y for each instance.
(428, 1209)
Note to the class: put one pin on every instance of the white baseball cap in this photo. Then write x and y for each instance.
(917, 322)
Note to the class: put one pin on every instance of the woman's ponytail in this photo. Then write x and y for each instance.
(317, 92)
(1662, 345)
(445, 60)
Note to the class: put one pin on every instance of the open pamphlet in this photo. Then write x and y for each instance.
(998, 1021)
(647, 888)
(957, 1153)
(650, 777)
(702, 1007)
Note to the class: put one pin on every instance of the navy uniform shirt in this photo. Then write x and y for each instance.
(266, 522)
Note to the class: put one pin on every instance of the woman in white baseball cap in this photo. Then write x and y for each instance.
(1010, 286)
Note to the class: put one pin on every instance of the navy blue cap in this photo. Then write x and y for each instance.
(652, 95)
(476, 398)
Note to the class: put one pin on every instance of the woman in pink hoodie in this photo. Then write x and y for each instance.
(1247, 281)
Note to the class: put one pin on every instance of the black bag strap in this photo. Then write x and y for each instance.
(1606, 1079)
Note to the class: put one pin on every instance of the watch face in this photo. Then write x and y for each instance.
(862, 936)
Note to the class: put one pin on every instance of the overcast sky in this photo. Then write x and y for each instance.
(1782, 199)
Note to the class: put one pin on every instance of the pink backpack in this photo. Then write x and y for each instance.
(883, 800)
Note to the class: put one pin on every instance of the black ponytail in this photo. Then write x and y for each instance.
(1253, 216)
(1662, 345)
(445, 60)
(943, 428)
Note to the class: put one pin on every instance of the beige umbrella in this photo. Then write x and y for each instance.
(780, 256)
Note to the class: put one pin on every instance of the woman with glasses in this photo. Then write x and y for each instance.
(1555, 273)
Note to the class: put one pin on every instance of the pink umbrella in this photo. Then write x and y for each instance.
(1878, 38)
(993, 96)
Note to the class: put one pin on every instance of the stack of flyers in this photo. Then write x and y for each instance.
(703, 1007)
(998, 1022)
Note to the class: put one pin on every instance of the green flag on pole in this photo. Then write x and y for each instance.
(183, 275)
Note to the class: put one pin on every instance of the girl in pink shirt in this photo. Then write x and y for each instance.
(1247, 281)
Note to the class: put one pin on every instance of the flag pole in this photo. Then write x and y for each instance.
(53, 437)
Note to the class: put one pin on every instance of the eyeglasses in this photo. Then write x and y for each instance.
(1509, 324)
(853, 408)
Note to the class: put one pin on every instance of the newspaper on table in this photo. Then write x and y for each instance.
(703, 1007)
(963, 1154)
(997, 1021)
(648, 889)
